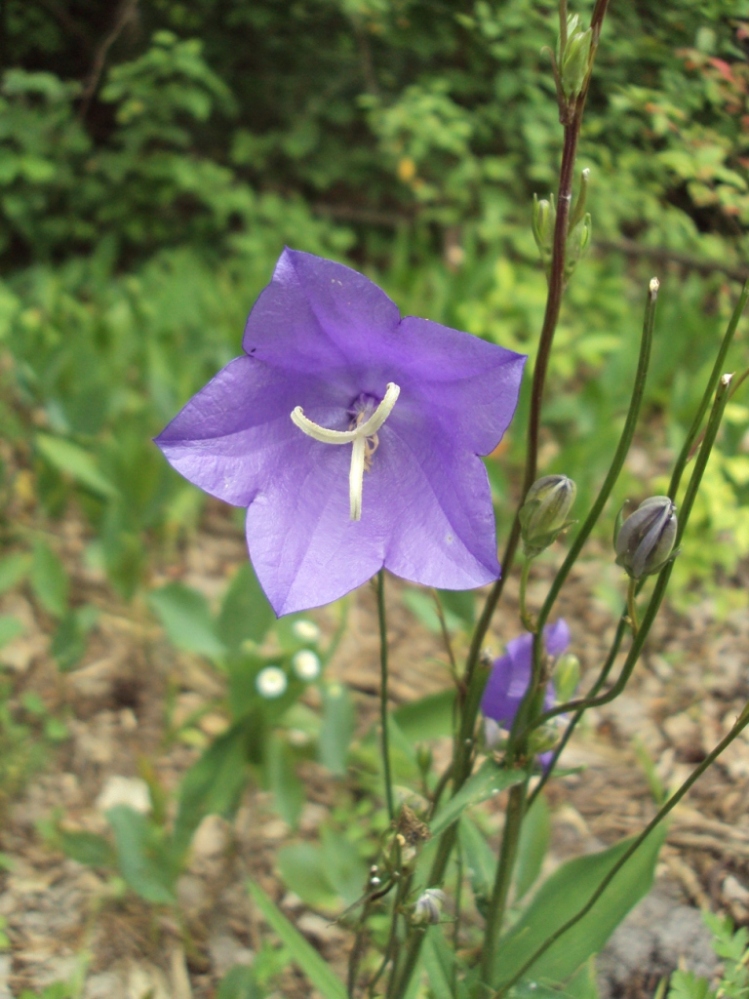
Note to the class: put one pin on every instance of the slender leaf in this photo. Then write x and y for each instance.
(488, 780)
(302, 953)
(213, 785)
(533, 845)
(245, 612)
(143, 856)
(430, 717)
(480, 860)
(73, 460)
(87, 848)
(303, 871)
(282, 779)
(562, 896)
(239, 983)
(337, 729)
(187, 619)
(49, 580)
(13, 569)
(437, 967)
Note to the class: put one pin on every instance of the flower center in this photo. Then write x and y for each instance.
(362, 435)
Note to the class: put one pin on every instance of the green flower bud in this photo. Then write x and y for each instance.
(574, 59)
(566, 676)
(424, 758)
(645, 541)
(578, 242)
(544, 221)
(543, 516)
(542, 739)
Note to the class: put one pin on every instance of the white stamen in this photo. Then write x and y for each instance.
(358, 437)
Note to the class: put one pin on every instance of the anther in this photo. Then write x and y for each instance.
(363, 439)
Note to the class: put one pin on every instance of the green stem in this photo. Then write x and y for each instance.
(602, 677)
(525, 617)
(711, 431)
(632, 605)
(384, 694)
(622, 449)
(503, 879)
(738, 727)
(686, 450)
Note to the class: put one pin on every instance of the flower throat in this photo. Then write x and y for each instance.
(362, 435)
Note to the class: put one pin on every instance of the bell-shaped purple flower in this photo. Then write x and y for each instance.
(353, 438)
(511, 674)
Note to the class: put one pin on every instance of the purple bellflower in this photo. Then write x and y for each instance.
(511, 675)
(352, 436)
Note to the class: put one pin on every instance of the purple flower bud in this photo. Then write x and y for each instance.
(544, 514)
(645, 540)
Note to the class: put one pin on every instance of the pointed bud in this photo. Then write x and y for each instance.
(573, 58)
(543, 516)
(645, 541)
(578, 242)
(566, 676)
(424, 758)
(542, 739)
(544, 221)
(428, 908)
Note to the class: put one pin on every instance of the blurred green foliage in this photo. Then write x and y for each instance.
(155, 159)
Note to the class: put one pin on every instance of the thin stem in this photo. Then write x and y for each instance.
(602, 677)
(384, 694)
(741, 723)
(503, 879)
(711, 431)
(445, 633)
(686, 450)
(525, 617)
(632, 605)
(622, 449)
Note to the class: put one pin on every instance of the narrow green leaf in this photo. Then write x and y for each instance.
(488, 780)
(213, 785)
(282, 779)
(73, 460)
(13, 569)
(480, 860)
(87, 848)
(534, 842)
(430, 717)
(303, 871)
(344, 867)
(187, 619)
(337, 729)
(303, 954)
(143, 857)
(437, 968)
(245, 612)
(49, 580)
(562, 896)
(239, 983)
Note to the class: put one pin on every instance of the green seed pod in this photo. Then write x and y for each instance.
(543, 516)
(645, 541)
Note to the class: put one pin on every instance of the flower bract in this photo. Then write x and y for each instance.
(353, 437)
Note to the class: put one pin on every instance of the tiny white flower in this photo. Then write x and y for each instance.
(306, 665)
(271, 682)
(306, 630)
